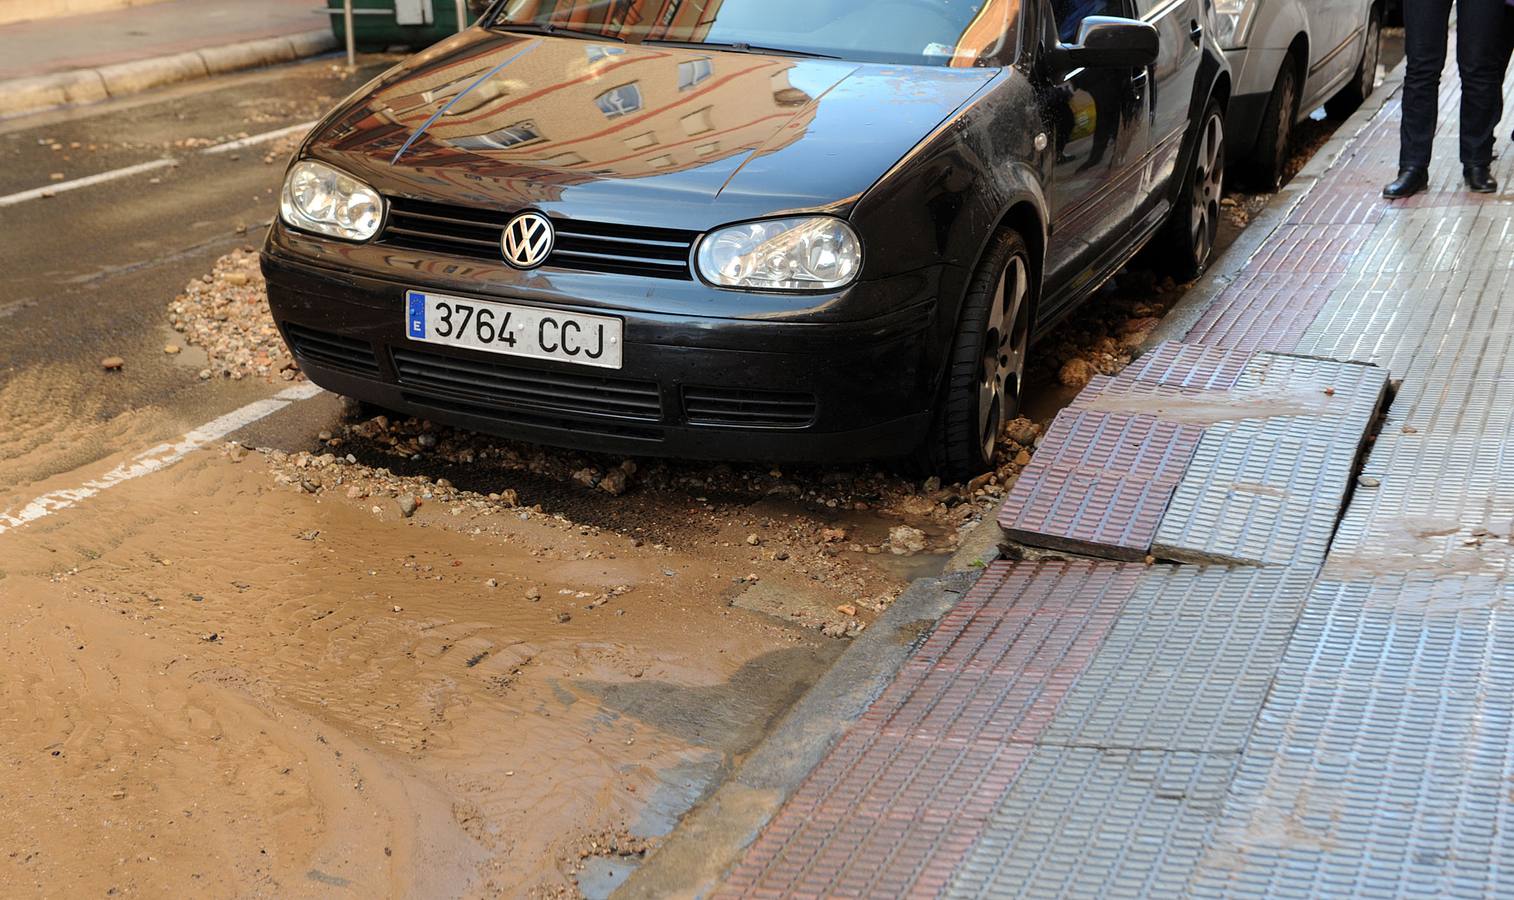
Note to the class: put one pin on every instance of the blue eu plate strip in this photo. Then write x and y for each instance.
(416, 315)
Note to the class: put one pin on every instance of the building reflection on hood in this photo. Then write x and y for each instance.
(570, 112)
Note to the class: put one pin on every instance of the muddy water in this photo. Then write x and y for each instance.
(220, 686)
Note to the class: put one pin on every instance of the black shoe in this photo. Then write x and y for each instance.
(1480, 179)
(1410, 181)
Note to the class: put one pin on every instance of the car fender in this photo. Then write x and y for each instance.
(953, 192)
(1214, 80)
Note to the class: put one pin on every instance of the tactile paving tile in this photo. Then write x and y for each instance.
(1262, 311)
(1100, 480)
(1416, 240)
(1189, 366)
(1098, 823)
(1339, 204)
(1099, 483)
(1397, 320)
(1311, 250)
(1382, 761)
(1268, 491)
(895, 807)
(1187, 664)
(1442, 503)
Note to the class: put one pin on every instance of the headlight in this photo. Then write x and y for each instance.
(1232, 21)
(321, 199)
(812, 254)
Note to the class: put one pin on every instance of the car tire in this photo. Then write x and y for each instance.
(1351, 97)
(1188, 239)
(985, 375)
(1267, 164)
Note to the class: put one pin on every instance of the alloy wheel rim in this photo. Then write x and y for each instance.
(1005, 341)
(1208, 185)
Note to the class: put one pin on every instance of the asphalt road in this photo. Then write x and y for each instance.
(88, 273)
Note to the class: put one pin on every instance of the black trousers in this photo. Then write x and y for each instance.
(1482, 55)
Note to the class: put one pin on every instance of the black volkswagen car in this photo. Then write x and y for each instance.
(770, 229)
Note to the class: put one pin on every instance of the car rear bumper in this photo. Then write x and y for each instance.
(706, 388)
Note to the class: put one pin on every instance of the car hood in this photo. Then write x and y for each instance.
(636, 134)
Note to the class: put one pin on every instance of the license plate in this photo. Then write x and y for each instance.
(511, 330)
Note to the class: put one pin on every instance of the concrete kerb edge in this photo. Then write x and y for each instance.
(1204, 293)
(21, 96)
(711, 839)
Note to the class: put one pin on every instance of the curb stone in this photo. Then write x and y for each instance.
(712, 837)
(19, 96)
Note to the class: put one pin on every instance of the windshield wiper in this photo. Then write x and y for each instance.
(738, 47)
(547, 28)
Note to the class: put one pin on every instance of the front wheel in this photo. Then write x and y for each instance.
(1268, 162)
(1195, 223)
(986, 372)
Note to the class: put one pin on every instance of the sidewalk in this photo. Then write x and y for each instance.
(1312, 692)
(50, 62)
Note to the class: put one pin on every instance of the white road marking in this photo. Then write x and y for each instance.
(264, 138)
(63, 186)
(156, 459)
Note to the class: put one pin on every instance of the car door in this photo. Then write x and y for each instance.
(1335, 31)
(1180, 29)
(1095, 122)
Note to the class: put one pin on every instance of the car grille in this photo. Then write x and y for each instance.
(333, 351)
(579, 425)
(751, 409)
(584, 246)
(505, 385)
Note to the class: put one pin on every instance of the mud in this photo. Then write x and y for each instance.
(218, 685)
(1408, 544)
(1212, 407)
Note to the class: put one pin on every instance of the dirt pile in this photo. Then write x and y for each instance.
(225, 313)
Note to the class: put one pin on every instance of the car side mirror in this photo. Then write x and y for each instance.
(1108, 42)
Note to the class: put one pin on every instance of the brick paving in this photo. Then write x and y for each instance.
(1312, 694)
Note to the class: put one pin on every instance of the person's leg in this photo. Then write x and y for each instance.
(1481, 57)
(1426, 30)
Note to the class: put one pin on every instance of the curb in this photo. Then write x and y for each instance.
(19, 96)
(711, 838)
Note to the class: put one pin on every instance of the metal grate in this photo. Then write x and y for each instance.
(750, 409)
(498, 384)
(585, 246)
(332, 351)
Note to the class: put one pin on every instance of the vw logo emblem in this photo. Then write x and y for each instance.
(528, 240)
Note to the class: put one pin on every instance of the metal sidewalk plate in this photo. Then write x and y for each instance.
(896, 805)
(1102, 477)
(1382, 762)
(1099, 483)
(1268, 490)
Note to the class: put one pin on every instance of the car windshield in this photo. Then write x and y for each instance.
(919, 32)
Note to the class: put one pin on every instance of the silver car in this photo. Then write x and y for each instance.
(1288, 57)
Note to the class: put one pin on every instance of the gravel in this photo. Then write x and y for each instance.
(225, 313)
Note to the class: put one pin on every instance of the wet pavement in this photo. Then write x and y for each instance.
(1299, 685)
(348, 653)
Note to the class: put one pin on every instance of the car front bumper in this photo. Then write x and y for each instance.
(696, 387)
